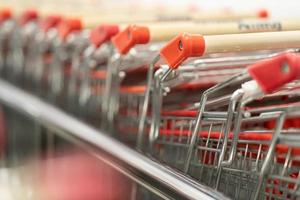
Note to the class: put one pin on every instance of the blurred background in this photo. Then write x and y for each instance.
(277, 8)
(66, 172)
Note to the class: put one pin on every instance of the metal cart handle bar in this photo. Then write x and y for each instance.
(192, 45)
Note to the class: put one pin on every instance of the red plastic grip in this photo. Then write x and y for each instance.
(182, 47)
(5, 14)
(28, 15)
(130, 37)
(103, 33)
(263, 13)
(50, 21)
(68, 26)
(273, 73)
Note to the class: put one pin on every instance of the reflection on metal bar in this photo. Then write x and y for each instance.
(165, 182)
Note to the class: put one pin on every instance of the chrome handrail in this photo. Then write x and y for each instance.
(159, 179)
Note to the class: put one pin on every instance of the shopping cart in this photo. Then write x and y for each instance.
(69, 42)
(22, 34)
(175, 54)
(88, 73)
(240, 138)
(39, 53)
(124, 97)
(95, 88)
(198, 141)
(261, 157)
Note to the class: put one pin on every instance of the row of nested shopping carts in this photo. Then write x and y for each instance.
(221, 107)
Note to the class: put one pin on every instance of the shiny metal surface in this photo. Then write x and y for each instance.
(165, 182)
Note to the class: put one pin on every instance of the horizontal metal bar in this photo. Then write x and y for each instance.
(166, 182)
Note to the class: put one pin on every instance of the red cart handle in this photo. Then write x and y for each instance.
(27, 16)
(69, 26)
(130, 37)
(182, 47)
(271, 74)
(263, 13)
(5, 14)
(50, 21)
(103, 33)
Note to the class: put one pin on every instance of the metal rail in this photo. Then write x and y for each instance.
(163, 181)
